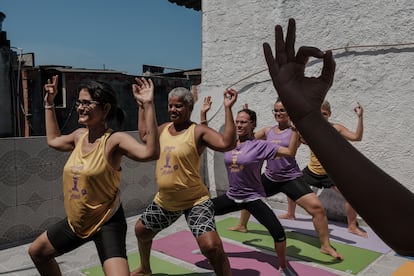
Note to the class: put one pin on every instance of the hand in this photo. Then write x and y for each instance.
(143, 91)
(206, 105)
(51, 90)
(245, 106)
(299, 94)
(359, 110)
(230, 97)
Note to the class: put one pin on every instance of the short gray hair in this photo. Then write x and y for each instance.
(183, 94)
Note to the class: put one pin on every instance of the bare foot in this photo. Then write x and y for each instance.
(238, 228)
(357, 231)
(331, 251)
(139, 272)
(287, 216)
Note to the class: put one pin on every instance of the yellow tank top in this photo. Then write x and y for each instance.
(90, 188)
(177, 172)
(315, 166)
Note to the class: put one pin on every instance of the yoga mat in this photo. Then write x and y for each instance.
(159, 267)
(300, 246)
(243, 261)
(337, 232)
(405, 270)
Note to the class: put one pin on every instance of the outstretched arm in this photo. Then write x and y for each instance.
(356, 176)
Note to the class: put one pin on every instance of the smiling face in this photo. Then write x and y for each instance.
(280, 113)
(90, 112)
(178, 110)
(244, 125)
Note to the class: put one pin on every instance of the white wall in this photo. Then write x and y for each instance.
(380, 78)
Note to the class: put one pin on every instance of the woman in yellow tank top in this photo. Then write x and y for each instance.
(180, 188)
(91, 176)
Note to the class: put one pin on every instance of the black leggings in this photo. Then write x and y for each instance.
(260, 210)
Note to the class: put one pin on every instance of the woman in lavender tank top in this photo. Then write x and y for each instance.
(245, 190)
(284, 175)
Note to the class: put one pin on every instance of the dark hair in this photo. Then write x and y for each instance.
(104, 93)
(251, 113)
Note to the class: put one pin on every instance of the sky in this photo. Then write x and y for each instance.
(119, 35)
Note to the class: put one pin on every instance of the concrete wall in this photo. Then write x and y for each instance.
(31, 185)
(380, 78)
(31, 195)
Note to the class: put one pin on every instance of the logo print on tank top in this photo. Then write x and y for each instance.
(234, 167)
(74, 192)
(167, 168)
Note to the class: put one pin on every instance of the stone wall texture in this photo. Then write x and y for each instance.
(380, 78)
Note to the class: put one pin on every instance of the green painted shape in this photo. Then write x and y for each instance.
(300, 246)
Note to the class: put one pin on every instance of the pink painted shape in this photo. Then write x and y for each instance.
(243, 261)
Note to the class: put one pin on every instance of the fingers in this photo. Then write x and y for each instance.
(290, 40)
(281, 56)
(305, 52)
(270, 60)
(328, 70)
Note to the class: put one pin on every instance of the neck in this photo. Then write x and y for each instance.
(283, 126)
(96, 133)
(182, 125)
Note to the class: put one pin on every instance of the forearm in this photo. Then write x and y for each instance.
(52, 126)
(142, 128)
(358, 179)
(229, 133)
(151, 131)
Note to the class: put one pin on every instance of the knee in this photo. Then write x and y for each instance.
(211, 248)
(142, 233)
(37, 252)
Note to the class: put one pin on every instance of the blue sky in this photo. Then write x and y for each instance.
(115, 34)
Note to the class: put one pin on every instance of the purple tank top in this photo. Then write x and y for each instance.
(244, 164)
(281, 168)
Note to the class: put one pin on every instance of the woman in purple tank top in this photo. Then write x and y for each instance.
(283, 174)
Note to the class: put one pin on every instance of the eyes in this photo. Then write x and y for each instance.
(282, 110)
(85, 103)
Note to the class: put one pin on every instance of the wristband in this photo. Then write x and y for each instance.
(49, 106)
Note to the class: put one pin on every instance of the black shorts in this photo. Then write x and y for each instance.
(109, 240)
(316, 180)
(294, 189)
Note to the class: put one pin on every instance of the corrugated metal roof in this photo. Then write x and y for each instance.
(190, 4)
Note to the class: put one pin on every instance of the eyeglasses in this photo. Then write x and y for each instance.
(85, 103)
(242, 122)
(282, 110)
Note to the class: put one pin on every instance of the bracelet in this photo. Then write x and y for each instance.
(49, 106)
(203, 122)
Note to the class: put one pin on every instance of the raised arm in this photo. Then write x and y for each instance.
(355, 175)
(143, 92)
(227, 140)
(351, 135)
(204, 109)
(53, 135)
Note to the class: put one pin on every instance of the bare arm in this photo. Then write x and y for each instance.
(356, 176)
(350, 135)
(204, 109)
(227, 140)
(143, 92)
(53, 135)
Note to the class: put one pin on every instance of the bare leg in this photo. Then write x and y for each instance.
(116, 266)
(43, 255)
(211, 246)
(351, 216)
(280, 249)
(242, 226)
(291, 210)
(311, 203)
(144, 237)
